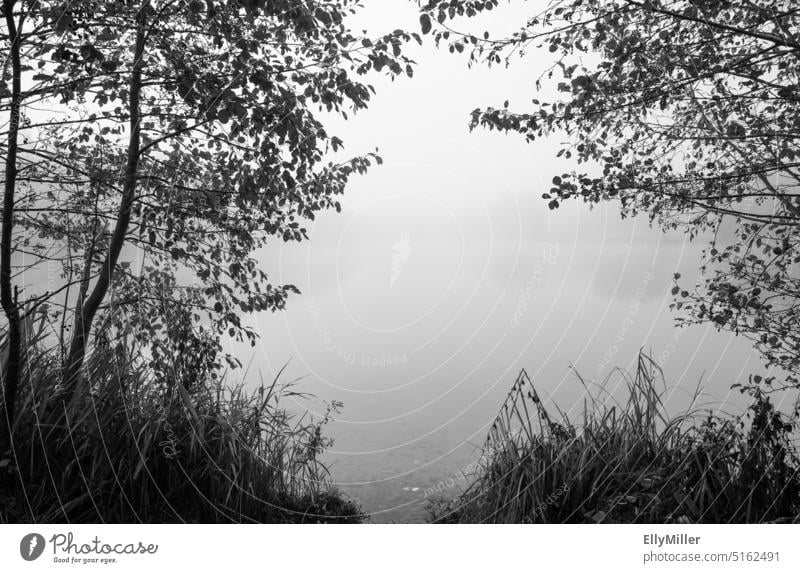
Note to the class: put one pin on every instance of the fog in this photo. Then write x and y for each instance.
(446, 273)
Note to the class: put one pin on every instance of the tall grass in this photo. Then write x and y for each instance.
(128, 448)
(630, 462)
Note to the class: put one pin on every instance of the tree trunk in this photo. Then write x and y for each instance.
(7, 298)
(84, 318)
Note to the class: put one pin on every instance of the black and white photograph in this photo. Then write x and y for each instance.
(331, 279)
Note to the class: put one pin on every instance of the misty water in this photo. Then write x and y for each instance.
(418, 312)
(422, 300)
(446, 273)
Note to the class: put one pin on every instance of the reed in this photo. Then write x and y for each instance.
(630, 462)
(128, 448)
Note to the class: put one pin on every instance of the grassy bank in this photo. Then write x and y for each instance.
(630, 462)
(131, 448)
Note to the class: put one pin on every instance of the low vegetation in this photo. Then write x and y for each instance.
(133, 448)
(631, 462)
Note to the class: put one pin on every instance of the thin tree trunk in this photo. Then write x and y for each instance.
(84, 318)
(7, 299)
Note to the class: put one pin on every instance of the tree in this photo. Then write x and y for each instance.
(9, 304)
(183, 136)
(686, 110)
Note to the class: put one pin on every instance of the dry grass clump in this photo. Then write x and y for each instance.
(631, 463)
(129, 448)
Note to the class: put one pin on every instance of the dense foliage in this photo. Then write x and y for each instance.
(179, 138)
(684, 110)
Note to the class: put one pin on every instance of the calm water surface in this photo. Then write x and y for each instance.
(420, 328)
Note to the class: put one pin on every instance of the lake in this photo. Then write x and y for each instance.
(420, 328)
